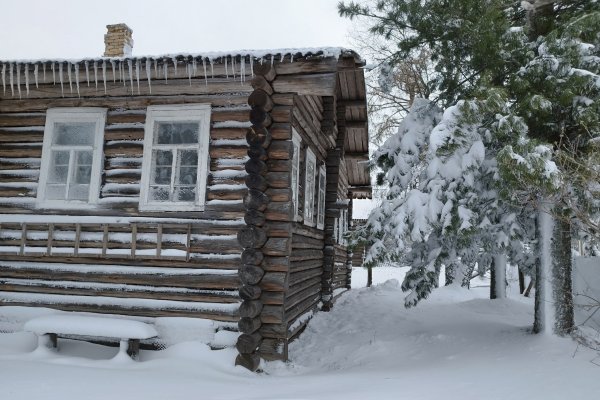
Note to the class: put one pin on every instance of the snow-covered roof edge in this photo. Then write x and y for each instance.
(273, 55)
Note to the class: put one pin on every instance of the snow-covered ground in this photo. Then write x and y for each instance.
(456, 345)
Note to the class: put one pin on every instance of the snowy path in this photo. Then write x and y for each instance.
(457, 345)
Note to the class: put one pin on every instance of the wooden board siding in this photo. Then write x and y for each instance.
(200, 243)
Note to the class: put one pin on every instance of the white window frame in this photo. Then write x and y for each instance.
(309, 188)
(199, 113)
(72, 115)
(321, 197)
(296, 143)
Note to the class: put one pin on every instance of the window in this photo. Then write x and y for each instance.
(175, 164)
(321, 198)
(295, 170)
(71, 158)
(309, 188)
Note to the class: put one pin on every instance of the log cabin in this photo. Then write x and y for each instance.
(215, 186)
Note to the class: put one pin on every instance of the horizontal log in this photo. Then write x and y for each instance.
(250, 308)
(252, 237)
(252, 257)
(274, 282)
(257, 152)
(281, 150)
(249, 325)
(279, 211)
(138, 312)
(248, 343)
(279, 195)
(309, 84)
(277, 247)
(260, 98)
(254, 218)
(256, 200)
(273, 349)
(272, 314)
(276, 264)
(256, 181)
(254, 166)
(260, 83)
(250, 292)
(250, 274)
(126, 102)
(272, 297)
(264, 69)
(248, 361)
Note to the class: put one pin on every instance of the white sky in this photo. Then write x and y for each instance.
(36, 29)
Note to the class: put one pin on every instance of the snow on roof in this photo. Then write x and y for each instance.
(274, 55)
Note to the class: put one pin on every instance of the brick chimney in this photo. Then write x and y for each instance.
(118, 41)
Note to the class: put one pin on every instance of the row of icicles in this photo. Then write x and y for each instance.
(125, 69)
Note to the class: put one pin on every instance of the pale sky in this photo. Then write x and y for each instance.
(36, 29)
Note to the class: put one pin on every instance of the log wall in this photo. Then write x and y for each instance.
(114, 258)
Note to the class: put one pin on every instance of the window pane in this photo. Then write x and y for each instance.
(79, 192)
(188, 158)
(186, 193)
(159, 193)
(177, 132)
(83, 174)
(162, 175)
(55, 192)
(187, 175)
(163, 157)
(84, 158)
(60, 157)
(79, 133)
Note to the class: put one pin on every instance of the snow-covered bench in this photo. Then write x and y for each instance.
(127, 331)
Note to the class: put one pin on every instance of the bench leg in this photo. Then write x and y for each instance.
(49, 341)
(134, 348)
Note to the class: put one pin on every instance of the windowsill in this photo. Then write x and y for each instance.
(66, 205)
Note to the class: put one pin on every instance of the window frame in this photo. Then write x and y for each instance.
(321, 197)
(199, 113)
(309, 189)
(68, 115)
(295, 175)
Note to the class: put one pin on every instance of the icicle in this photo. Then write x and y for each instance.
(188, 67)
(226, 72)
(194, 67)
(35, 75)
(175, 65)
(114, 70)
(10, 74)
(137, 74)
(204, 67)
(212, 69)
(130, 69)
(87, 72)
(18, 79)
(282, 57)
(272, 59)
(149, 74)
(53, 74)
(4, 78)
(233, 67)
(26, 72)
(291, 58)
(96, 73)
(60, 78)
(251, 66)
(69, 76)
(243, 71)
(165, 69)
(121, 72)
(77, 78)
(104, 74)
(155, 68)
(262, 59)
(44, 71)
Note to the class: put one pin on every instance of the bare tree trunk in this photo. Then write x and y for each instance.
(369, 276)
(521, 281)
